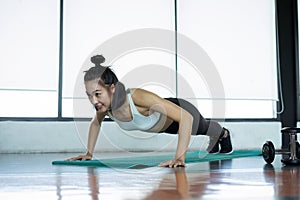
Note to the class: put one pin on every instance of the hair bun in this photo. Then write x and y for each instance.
(97, 60)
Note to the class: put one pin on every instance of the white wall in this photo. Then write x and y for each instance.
(45, 137)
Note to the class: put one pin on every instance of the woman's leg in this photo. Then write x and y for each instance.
(219, 136)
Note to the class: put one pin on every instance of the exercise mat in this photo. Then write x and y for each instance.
(154, 160)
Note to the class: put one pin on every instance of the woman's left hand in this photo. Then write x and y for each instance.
(172, 163)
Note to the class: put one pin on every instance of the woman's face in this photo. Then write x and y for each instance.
(98, 95)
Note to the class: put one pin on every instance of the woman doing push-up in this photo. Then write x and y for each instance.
(139, 109)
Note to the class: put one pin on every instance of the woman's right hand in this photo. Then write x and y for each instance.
(87, 156)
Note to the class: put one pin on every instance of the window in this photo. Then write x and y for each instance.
(241, 54)
(29, 51)
(98, 27)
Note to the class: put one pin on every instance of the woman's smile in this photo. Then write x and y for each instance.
(98, 106)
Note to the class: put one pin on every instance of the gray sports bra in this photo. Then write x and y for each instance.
(139, 121)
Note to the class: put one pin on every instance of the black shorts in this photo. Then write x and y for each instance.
(200, 124)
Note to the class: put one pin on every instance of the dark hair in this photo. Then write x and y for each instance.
(106, 77)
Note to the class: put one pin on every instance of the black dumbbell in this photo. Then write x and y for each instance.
(268, 152)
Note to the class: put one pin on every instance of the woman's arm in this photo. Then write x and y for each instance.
(94, 130)
(184, 135)
(150, 100)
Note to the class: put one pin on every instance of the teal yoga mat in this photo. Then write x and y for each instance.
(151, 161)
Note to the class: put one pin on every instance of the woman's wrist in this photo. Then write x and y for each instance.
(180, 158)
(180, 155)
(88, 153)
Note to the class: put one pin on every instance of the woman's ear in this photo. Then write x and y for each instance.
(112, 88)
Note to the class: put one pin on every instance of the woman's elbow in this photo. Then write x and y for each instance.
(187, 117)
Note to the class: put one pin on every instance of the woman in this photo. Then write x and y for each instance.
(138, 109)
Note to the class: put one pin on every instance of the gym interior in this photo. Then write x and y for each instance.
(236, 61)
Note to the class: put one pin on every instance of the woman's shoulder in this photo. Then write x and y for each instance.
(144, 97)
(138, 90)
(141, 93)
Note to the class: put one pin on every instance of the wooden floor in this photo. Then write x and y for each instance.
(31, 176)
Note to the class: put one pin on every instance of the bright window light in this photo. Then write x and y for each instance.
(29, 50)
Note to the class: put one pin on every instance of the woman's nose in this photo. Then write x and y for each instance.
(94, 99)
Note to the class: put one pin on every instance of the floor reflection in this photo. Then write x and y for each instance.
(33, 177)
(183, 185)
(175, 186)
(286, 181)
(172, 184)
(93, 183)
(178, 183)
(84, 185)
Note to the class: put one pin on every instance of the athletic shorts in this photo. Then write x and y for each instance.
(200, 124)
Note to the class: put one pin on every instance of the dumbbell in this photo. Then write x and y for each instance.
(269, 151)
